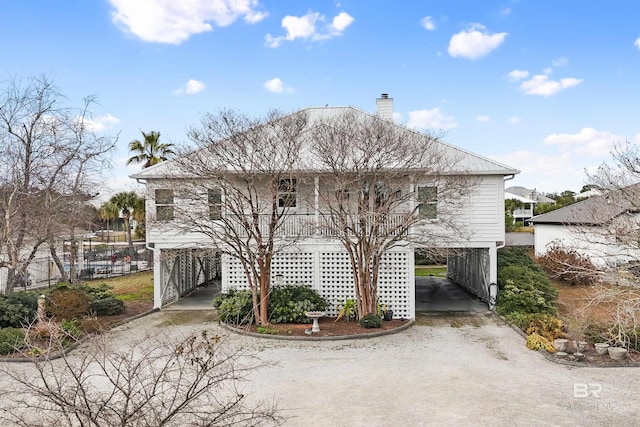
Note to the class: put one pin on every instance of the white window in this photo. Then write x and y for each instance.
(164, 204)
(287, 193)
(215, 204)
(427, 202)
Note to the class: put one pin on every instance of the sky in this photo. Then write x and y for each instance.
(544, 86)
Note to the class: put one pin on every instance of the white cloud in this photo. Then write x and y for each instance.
(474, 42)
(560, 62)
(254, 16)
(517, 75)
(547, 70)
(304, 27)
(277, 86)
(191, 87)
(173, 22)
(483, 119)
(637, 43)
(505, 12)
(427, 23)
(513, 120)
(397, 117)
(545, 172)
(430, 119)
(341, 22)
(540, 84)
(100, 123)
(588, 141)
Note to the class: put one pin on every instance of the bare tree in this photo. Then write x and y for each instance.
(385, 186)
(50, 159)
(242, 190)
(154, 382)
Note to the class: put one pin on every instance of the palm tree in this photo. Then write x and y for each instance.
(108, 212)
(149, 151)
(130, 205)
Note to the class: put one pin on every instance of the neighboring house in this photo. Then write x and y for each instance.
(529, 194)
(183, 260)
(522, 214)
(600, 227)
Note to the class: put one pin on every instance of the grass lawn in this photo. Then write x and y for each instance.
(132, 287)
(431, 270)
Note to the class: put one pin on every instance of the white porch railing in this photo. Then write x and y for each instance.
(304, 225)
(522, 213)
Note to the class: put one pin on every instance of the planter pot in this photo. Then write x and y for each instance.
(617, 353)
(601, 348)
(582, 346)
(579, 356)
(387, 315)
(560, 344)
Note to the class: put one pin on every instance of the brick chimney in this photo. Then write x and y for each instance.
(384, 107)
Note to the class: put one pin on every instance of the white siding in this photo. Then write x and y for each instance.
(585, 240)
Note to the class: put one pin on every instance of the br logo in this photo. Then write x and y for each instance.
(582, 390)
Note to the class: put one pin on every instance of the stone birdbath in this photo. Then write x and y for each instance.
(315, 315)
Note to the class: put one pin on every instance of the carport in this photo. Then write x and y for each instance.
(440, 294)
(466, 287)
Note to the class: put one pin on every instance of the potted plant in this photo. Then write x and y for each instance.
(386, 312)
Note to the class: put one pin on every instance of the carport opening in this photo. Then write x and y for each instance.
(435, 289)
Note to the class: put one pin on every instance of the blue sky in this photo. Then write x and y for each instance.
(545, 86)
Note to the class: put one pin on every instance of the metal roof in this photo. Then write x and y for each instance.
(465, 161)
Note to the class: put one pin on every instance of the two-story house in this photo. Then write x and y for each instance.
(466, 223)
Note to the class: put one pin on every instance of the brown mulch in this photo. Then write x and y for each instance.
(328, 328)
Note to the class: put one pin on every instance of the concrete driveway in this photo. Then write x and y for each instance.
(445, 371)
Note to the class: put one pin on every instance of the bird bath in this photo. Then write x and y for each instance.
(315, 315)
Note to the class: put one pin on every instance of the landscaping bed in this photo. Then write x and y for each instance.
(328, 328)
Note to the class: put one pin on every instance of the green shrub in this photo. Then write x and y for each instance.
(18, 309)
(97, 292)
(71, 328)
(289, 303)
(371, 321)
(11, 339)
(525, 288)
(235, 307)
(108, 306)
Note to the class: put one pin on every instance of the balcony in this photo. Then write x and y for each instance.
(523, 213)
(308, 225)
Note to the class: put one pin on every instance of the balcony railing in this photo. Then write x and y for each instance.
(522, 213)
(306, 225)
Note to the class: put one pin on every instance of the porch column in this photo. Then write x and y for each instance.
(316, 202)
(159, 285)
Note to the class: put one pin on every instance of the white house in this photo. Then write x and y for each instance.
(183, 258)
(524, 213)
(603, 228)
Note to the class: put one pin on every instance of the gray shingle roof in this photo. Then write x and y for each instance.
(596, 210)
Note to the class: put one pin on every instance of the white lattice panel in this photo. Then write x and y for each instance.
(394, 289)
(334, 277)
(295, 268)
(394, 286)
(233, 275)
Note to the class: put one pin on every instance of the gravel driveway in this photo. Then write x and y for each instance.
(477, 372)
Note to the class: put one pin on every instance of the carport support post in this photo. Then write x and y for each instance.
(493, 267)
(157, 279)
